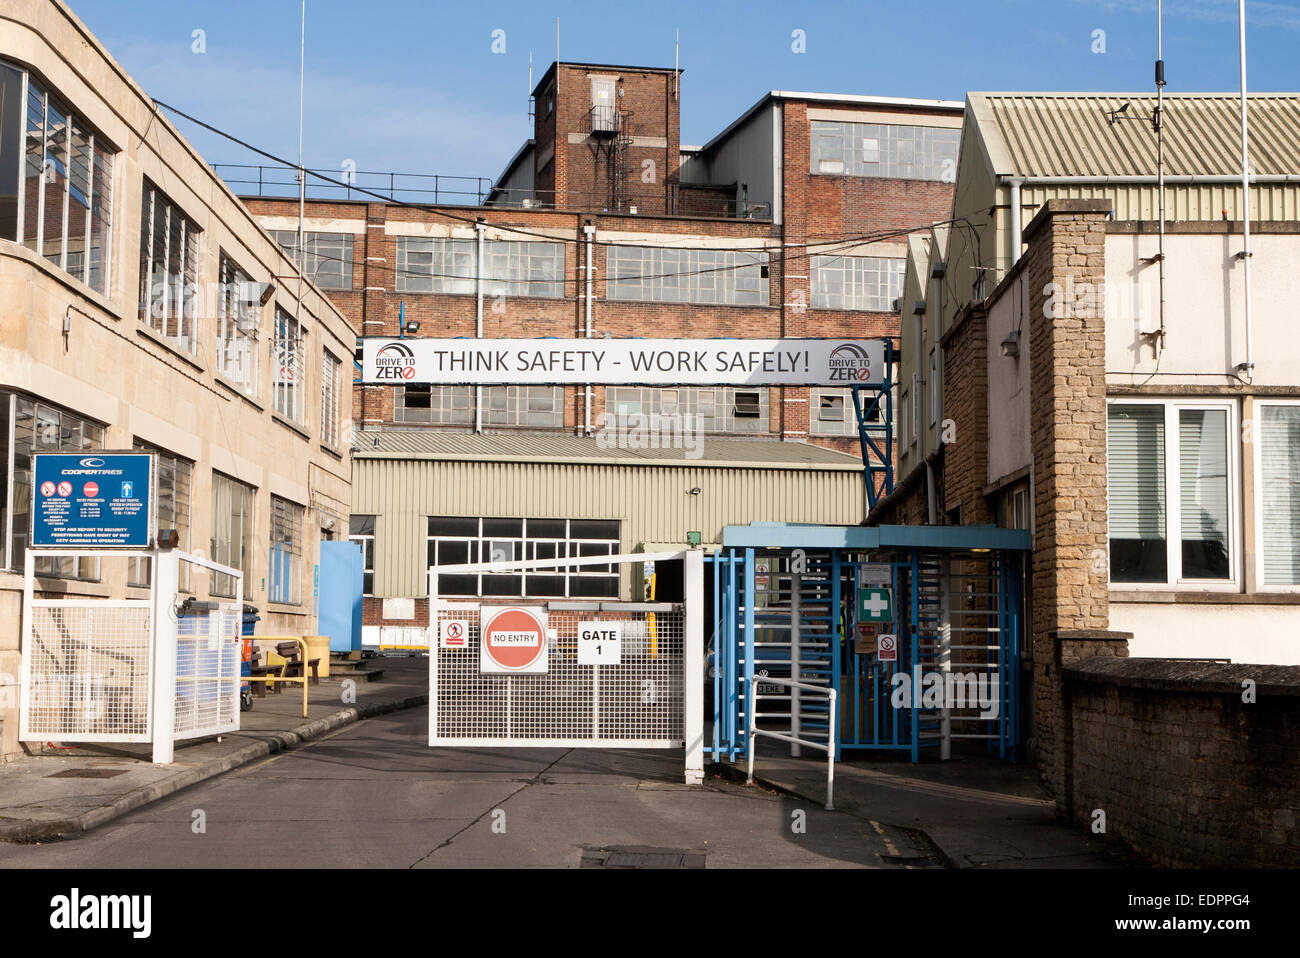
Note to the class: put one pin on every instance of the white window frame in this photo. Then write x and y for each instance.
(1257, 453)
(1174, 580)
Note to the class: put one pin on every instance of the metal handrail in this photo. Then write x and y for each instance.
(828, 746)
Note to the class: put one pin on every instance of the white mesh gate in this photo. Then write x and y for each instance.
(155, 669)
(208, 645)
(650, 696)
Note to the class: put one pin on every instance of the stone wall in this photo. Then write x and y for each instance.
(1187, 771)
(1067, 353)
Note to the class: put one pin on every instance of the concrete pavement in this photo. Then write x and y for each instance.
(374, 795)
(69, 790)
(976, 811)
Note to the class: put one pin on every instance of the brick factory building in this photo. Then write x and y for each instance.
(792, 222)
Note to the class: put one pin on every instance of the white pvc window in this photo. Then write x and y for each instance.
(1173, 491)
(1277, 507)
(361, 530)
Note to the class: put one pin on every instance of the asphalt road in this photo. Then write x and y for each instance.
(374, 795)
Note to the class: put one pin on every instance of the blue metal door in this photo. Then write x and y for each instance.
(340, 595)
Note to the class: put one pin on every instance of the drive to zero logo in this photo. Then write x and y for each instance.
(90, 490)
(514, 640)
(395, 361)
(849, 363)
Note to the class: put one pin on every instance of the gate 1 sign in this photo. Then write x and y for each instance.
(514, 641)
(600, 643)
(93, 500)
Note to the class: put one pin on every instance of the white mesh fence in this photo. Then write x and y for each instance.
(86, 667)
(636, 701)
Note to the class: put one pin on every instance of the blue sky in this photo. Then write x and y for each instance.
(414, 86)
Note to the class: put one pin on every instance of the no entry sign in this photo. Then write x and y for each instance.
(514, 640)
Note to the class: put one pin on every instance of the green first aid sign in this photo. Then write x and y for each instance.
(875, 604)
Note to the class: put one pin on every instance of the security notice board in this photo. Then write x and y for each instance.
(93, 500)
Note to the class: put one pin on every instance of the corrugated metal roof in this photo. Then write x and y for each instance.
(1070, 134)
(709, 451)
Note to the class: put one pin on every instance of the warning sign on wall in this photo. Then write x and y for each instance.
(514, 640)
(888, 648)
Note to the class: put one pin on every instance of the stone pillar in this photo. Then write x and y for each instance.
(1066, 266)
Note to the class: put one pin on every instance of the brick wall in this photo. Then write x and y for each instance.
(1187, 773)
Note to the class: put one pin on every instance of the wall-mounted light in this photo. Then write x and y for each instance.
(412, 326)
(693, 491)
(1011, 345)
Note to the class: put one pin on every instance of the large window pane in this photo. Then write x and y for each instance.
(232, 533)
(1203, 493)
(168, 263)
(238, 315)
(1279, 439)
(56, 181)
(11, 150)
(33, 175)
(1136, 489)
(655, 275)
(883, 150)
(510, 267)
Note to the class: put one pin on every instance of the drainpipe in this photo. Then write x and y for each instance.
(1013, 244)
(1248, 367)
(589, 231)
(478, 315)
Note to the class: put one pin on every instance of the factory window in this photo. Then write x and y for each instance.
(700, 409)
(884, 150)
(1170, 468)
(238, 316)
(28, 426)
(168, 259)
(857, 282)
(285, 566)
(833, 413)
(287, 377)
(454, 540)
(650, 274)
(232, 534)
(326, 258)
(173, 484)
(362, 532)
(1278, 449)
(329, 398)
(510, 267)
(537, 406)
(56, 191)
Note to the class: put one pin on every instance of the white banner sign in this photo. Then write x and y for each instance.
(651, 362)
